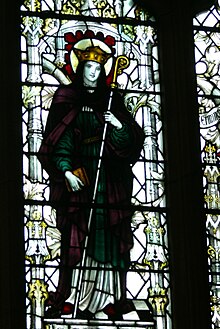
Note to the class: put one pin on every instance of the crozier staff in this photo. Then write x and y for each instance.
(70, 153)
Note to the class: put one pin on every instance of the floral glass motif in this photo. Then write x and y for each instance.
(207, 57)
(51, 31)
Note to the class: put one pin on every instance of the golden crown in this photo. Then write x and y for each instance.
(95, 54)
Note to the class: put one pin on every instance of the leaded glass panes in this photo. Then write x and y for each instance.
(207, 56)
(56, 36)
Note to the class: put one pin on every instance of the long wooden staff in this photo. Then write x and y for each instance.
(121, 63)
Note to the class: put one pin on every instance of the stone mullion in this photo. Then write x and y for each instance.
(189, 275)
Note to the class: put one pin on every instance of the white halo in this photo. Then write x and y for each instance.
(85, 43)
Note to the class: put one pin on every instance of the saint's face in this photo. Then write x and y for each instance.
(91, 72)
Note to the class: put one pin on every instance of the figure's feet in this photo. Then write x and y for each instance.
(68, 308)
(115, 311)
(52, 313)
(87, 315)
(111, 311)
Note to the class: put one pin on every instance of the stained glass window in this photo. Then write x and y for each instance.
(95, 216)
(207, 56)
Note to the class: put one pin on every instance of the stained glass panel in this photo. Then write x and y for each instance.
(207, 56)
(96, 257)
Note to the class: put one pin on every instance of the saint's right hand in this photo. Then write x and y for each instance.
(74, 182)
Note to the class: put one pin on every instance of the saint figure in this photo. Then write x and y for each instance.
(70, 152)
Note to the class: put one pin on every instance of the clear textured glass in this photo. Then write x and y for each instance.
(207, 57)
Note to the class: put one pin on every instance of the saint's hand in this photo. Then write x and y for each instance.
(75, 182)
(109, 117)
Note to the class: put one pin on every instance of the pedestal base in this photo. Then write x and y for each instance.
(139, 318)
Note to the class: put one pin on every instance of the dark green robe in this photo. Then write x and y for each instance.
(64, 148)
(103, 246)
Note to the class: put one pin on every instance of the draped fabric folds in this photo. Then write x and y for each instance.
(72, 140)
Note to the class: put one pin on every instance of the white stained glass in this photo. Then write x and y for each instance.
(23, 72)
(23, 44)
(209, 18)
(48, 5)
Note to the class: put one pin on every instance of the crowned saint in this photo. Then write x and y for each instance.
(70, 153)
